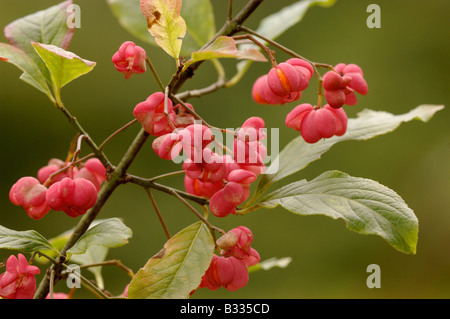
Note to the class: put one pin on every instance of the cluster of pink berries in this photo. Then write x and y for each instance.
(284, 84)
(225, 179)
(230, 269)
(18, 281)
(60, 187)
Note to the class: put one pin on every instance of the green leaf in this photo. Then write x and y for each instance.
(109, 233)
(366, 206)
(298, 154)
(270, 263)
(31, 72)
(198, 15)
(200, 24)
(28, 241)
(58, 243)
(225, 47)
(64, 66)
(165, 24)
(48, 26)
(178, 268)
(93, 255)
(130, 17)
(279, 22)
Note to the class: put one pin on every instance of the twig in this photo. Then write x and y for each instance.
(158, 212)
(103, 195)
(149, 183)
(102, 145)
(166, 175)
(74, 122)
(269, 52)
(113, 262)
(211, 227)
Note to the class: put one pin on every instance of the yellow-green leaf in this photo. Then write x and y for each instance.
(165, 24)
(178, 268)
(64, 66)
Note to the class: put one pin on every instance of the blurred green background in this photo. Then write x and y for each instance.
(406, 63)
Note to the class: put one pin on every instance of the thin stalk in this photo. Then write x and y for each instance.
(203, 219)
(74, 122)
(166, 175)
(113, 262)
(155, 74)
(102, 145)
(158, 212)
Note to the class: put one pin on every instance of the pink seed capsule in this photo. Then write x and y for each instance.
(72, 196)
(285, 79)
(242, 177)
(336, 88)
(94, 171)
(52, 167)
(18, 282)
(202, 189)
(252, 259)
(294, 118)
(357, 84)
(129, 59)
(340, 118)
(236, 242)
(258, 90)
(150, 114)
(317, 124)
(29, 193)
(195, 138)
(183, 117)
(302, 66)
(224, 202)
(167, 146)
(231, 273)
